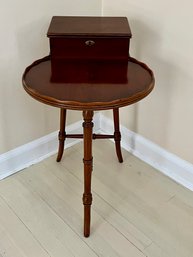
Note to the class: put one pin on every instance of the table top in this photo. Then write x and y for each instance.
(86, 95)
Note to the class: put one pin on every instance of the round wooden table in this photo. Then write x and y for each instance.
(88, 96)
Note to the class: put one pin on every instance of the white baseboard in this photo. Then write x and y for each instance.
(171, 165)
(33, 152)
(39, 149)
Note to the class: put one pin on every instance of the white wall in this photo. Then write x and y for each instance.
(163, 38)
(23, 28)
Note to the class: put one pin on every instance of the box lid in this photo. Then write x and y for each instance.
(71, 26)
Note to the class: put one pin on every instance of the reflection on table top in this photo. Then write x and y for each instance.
(97, 91)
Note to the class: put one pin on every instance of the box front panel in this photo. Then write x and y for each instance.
(93, 48)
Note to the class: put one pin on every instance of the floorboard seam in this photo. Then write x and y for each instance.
(25, 226)
(84, 241)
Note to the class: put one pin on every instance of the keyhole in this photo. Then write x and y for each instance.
(89, 42)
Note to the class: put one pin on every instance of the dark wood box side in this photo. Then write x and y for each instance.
(77, 48)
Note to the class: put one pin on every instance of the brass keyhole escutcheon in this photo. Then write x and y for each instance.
(89, 42)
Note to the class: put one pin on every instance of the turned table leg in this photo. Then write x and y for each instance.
(62, 134)
(117, 134)
(87, 196)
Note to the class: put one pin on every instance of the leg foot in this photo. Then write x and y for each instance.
(117, 134)
(62, 134)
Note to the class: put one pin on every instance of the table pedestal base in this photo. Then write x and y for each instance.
(88, 136)
(88, 160)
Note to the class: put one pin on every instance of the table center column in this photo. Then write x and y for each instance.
(88, 160)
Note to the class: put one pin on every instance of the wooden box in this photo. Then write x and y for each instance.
(86, 49)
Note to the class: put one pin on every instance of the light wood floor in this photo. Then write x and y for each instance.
(136, 210)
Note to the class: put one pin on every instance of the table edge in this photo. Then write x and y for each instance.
(75, 105)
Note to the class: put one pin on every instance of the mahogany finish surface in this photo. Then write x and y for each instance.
(88, 96)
